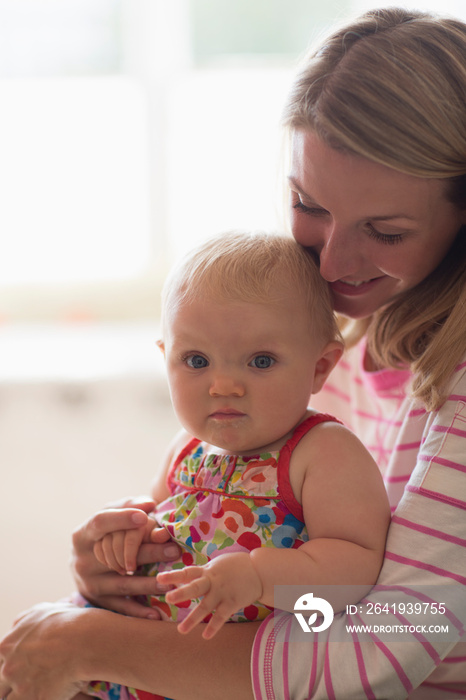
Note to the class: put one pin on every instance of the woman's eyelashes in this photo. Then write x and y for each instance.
(313, 211)
(386, 238)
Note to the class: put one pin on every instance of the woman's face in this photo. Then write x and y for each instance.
(377, 231)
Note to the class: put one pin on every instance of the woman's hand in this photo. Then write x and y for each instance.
(119, 550)
(108, 589)
(55, 649)
(36, 662)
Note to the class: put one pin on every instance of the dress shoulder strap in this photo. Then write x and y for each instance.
(187, 449)
(283, 467)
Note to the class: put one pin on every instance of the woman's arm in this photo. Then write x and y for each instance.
(55, 646)
(424, 561)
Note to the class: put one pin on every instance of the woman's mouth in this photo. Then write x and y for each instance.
(353, 288)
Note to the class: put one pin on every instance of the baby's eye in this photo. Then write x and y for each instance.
(262, 362)
(196, 361)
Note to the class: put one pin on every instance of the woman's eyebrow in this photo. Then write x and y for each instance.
(293, 182)
(296, 187)
(393, 216)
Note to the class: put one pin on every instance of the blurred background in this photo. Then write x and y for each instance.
(129, 131)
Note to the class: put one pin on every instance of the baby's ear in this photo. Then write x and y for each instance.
(161, 345)
(324, 365)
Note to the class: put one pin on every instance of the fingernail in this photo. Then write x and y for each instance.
(171, 551)
(139, 518)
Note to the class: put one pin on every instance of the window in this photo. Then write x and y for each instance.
(130, 130)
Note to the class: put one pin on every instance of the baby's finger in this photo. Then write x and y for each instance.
(118, 548)
(221, 615)
(196, 589)
(98, 553)
(109, 554)
(132, 542)
(196, 616)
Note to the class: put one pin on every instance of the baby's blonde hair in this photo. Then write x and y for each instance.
(253, 267)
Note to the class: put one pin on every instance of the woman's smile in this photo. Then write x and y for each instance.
(354, 288)
(374, 229)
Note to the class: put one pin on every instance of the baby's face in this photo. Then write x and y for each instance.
(241, 374)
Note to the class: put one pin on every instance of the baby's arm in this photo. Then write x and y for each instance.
(118, 550)
(346, 513)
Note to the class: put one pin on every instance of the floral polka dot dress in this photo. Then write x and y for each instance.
(226, 503)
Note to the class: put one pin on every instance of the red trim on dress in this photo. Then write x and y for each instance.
(283, 466)
(187, 449)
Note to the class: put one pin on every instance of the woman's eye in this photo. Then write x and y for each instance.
(196, 361)
(262, 362)
(389, 239)
(313, 211)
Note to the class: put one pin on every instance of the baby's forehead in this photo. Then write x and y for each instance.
(214, 315)
(280, 298)
(254, 290)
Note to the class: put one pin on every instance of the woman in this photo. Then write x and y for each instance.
(378, 189)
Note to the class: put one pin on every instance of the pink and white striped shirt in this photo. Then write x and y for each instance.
(423, 459)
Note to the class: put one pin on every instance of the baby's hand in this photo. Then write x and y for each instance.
(118, 550)
(226, 584)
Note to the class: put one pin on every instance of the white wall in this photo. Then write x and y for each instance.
(68, 446)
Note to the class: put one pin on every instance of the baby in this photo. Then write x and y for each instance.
(258, 490)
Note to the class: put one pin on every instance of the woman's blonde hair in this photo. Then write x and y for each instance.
(391, 87)
(253, 267)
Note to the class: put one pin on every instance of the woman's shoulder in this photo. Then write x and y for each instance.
(454, 403)
(458, 378)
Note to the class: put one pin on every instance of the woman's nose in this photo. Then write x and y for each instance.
(226, 385)
(337, 254)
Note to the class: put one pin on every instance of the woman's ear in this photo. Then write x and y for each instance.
(326, 362)
(161, 345)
